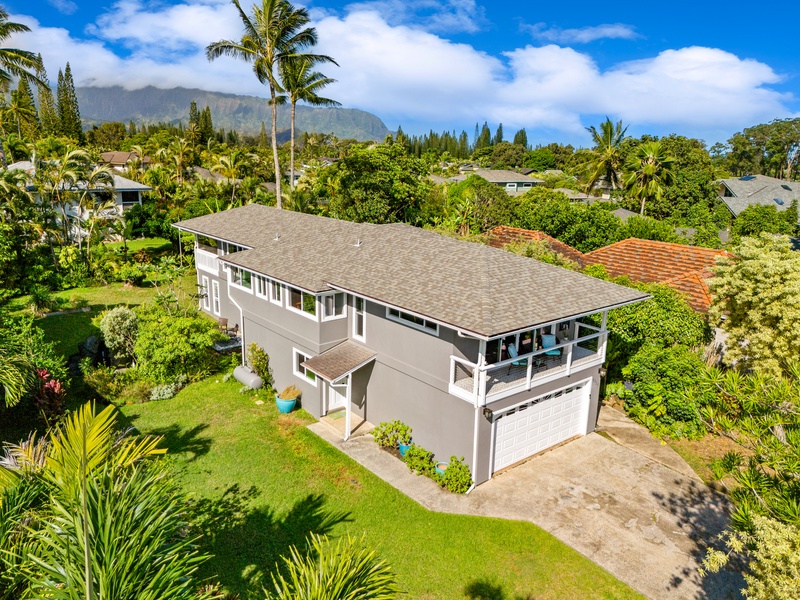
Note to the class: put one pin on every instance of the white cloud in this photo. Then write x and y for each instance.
(410, 76)
(582, 35)
(449, 16)
(66, 7)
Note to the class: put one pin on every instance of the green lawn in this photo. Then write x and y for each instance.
(263, 482)
(156, 245)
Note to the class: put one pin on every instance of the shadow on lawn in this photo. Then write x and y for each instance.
(247, 541)
(703, 515)
(184, 441)
(484, 589)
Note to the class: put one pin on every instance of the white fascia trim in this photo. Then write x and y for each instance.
(587, 381)
(213, 237)
(297, 373)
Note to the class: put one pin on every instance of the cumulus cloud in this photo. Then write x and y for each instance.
(451, 16)
(66, 7)
(581, 35)
(409, 75)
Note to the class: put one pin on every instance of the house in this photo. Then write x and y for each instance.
(119, 160)
(575, 196)
(383, 322)
(126, 192)
(512, 182)
(684, 268)
(740, 192)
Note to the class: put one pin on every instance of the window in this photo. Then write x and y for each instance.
(228, 248)
(262, 283)
(129, 198)
(241, 278)
(412, 321)
(275, 292)
(205, 299)
(303, 302)
(359, 319)
(300, 370)
(333, 306)
(215, 297)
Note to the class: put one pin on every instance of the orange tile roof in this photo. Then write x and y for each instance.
(682, 267)
(502, 236)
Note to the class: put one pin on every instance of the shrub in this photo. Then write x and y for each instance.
(51, 395)
(131, 274)
(457, 477)
(289, 392)
(41, 299)
(258, 360)
(420, 461)
(165, 391)
(390, 433)
(120, 328)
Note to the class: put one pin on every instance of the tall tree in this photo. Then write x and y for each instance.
(606, 161)
(69, 113)
(206, 126)
(302, 83)
(276, 31)
(48, 114)
(648, 172)
(22, 110)
(521, 138)
(498, 136)
(484, 138)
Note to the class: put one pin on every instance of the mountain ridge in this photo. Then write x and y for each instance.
(242, 113)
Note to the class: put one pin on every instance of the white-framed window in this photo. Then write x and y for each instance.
(334, 306)
(298, 358)
(228, 248)
(262, 285)
(241, 278)
(276, 293)
(205, 294)
(215, 304)
(412, 321)
(359, 319)
(302, 302)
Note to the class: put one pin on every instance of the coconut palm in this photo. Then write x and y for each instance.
(302, 83)
(275, 32)
(57, 181)
(648, 171)
(229, 167)
(606, 162)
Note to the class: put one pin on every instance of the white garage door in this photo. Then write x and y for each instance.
(539, 423)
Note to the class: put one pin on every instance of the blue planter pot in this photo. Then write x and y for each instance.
(441, 467)
(404, 448)
(285, 406)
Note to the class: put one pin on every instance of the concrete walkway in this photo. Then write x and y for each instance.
(619, 505)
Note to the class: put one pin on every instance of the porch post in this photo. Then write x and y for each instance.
(348, 395)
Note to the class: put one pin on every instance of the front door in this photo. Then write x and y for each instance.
(336, 397)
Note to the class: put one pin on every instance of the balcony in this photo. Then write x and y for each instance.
(206, 261)
(486, 383)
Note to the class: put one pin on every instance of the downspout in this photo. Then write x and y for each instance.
(241, 316)
(481, 360)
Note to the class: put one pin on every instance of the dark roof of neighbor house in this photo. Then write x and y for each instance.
(505, 176)
(502, 236)
(685, 268)
(471, 287)
(758, 189)
(623, 214)
(340, 360)
(120, 159)
(572, 194)
(121, 184)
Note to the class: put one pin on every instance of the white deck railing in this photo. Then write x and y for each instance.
(482, 383)
(206, 261)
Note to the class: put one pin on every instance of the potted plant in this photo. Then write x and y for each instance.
(441, 467)
(287, 399)
(403, 439)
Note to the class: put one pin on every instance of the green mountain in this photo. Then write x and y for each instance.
(241, 113)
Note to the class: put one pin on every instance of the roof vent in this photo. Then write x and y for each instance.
(778, 201)
(786, 187)
(358, 243)
(277, 237)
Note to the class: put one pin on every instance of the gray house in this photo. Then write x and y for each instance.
(485, 354)
(512, 182)
(740, 192)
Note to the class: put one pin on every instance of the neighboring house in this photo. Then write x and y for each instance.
(126, 192)
(623, 214)
(575, 196)
(740, 192)
(684, 268)
(512, 182)
(395, 322)
(119, 160)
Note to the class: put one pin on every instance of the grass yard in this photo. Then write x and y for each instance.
(262, 482)
(155, 245)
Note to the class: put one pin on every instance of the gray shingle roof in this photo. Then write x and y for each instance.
(340, 360)
(759, 189)
(468, 286)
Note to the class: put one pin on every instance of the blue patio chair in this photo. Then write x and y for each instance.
(512, 352)
(548, 341)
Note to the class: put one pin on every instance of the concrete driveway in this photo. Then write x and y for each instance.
(644, 522)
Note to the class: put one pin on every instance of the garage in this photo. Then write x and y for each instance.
(539, 423)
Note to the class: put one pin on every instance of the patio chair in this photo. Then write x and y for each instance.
(223, 324)
(548, 341)
(512, 352)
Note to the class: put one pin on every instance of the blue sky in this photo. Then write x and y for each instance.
(552, 67)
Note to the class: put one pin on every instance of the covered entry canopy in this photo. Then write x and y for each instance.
(336, 365)
(339, 361)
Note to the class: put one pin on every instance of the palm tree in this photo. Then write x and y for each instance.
(648, 171)
(301, 83)
(607, 161)
(16, 377)
(275, 32)
(229, 167)
(58, 182)
(14, 62)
